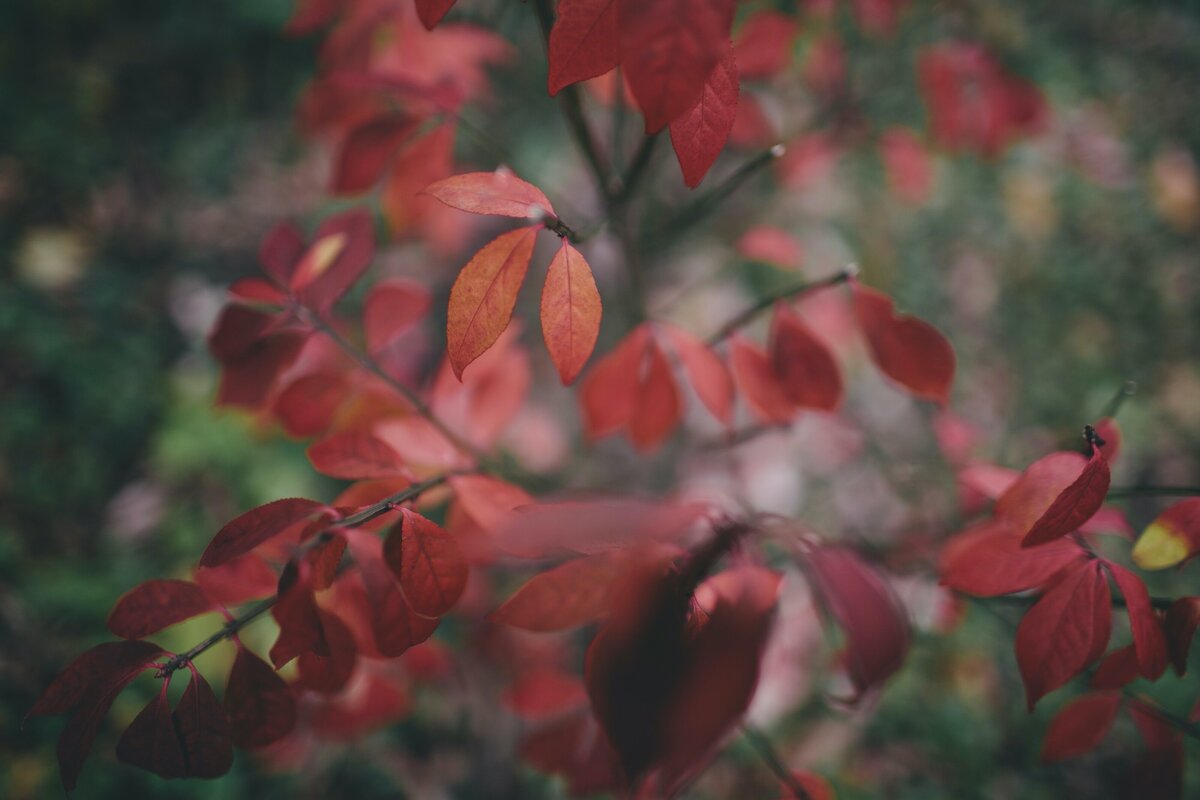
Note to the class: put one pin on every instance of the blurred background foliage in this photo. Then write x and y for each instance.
(146, 146)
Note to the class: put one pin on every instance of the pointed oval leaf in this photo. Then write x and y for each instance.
(352, 235)
(1080, 725)
(762, 389)
(608, 395)
(584, 42)
(496, 193)
(805, 367)
(571, 312)
(483, 296)
(151, 741)
(259, 704)
(1183, 617)
(908, 350)
(987, 560)
(565, 597)
(431, 11)
(365, 152)
(1148, 638)
(428, 564)
(1065, 631)
(204, 730)
(355, 455)
(394, 625)
(151, 606)
(1074, 505)
(699, 134)
(705, 371)
(656, 408)
(256, 526)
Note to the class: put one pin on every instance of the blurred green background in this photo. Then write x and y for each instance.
(146, 146)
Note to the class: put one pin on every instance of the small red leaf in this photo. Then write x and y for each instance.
(1148, 637)
(1174, 537)
(1064, 631)
(498, 193)
(355, 455)
(656, 407)
(805, 367)
(392, 308)
(256, 526)
(483, 296)
(700, 133)
(1110, 433)
(432, 11)
(244, 578)
(342, 248)
(308, 405)
(1182, 619)
(583, 42)
(565, 597)
(908, 350)
(1074, 505)
(260, 706)
(1080, 725)
(488, 501)
(1116, 670)
(394, 625)
(705, 371)
(570, 311)
(151, 742)
(204, 730)
(365, 152)
(280, 251)
(987, 560)
(428, 564)
(608, 395)
(154, 605)
(297, 614)
(761, 387)
(328, 674)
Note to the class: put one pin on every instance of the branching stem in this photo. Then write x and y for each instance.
(746, 316)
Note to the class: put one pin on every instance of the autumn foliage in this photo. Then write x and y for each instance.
(632, 628)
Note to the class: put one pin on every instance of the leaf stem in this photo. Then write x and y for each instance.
(746, 316)
(766, 751)
(230, 628)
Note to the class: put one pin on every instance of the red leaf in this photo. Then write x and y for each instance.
(299, 618)
(259, 703)
(804, 366)
(151, 742)
(763, 44)
(668, 50)
(565, 597)
(1110, 433)
(392, 308)
(1148, 637)
(204, 730)
(394, 625)
(583, 42)
(699, 134)
(609, 393)
(1116, 670)
(1174, 537)
(244, 578)
(987, 560)
(350, 236)
(365, 152)
(432, 11)
(1026, 499)
(908, 350)
(308, 405)
(570, 312)
(428, 564)
(1074, 505)
(151, 606)
(483, 296)
(498, 193)
(771, 245)
(328, 674)
(256, 526)
(594, 525)
(87, 688)
(1064, 631)
(1182, 619)
(280, 251)
(873, 620)
(488, 501)
(761, 387)
(355, 455)
(1080, 725)
(656, 407)
(705, 371)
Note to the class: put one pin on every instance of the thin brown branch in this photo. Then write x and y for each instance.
(233, 626)
(746, 316)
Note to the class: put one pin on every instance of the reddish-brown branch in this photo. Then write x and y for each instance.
(746, 316)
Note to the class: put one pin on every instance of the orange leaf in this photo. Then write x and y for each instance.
(428, 564)
(483, 296)
(570, 312)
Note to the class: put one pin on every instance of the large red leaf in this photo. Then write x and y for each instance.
(608, 394)
(908, 350)
(483, 296)
(498, 193)
(987, 560)
(259, 704)
(668, 50)
(280, 251)
(1080, 725)
(151, 606)
(761, 387)
(329, 673)
(204, 730)
(705, 372)
(1026, 499)
(805, 367)
(256, 526)
(700, 133)
(867, 610)
(583, 42)
(489, 501)
(394, 626)
(1172, 538)
(570, 312)
(365, 152)
(355, 455)
(1148, 638)
(428, 564)
(565, 597)
(151, 741)
(244, 578)
(298, 616)
(1074, 505)
(308, 405)
(1064, 631)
